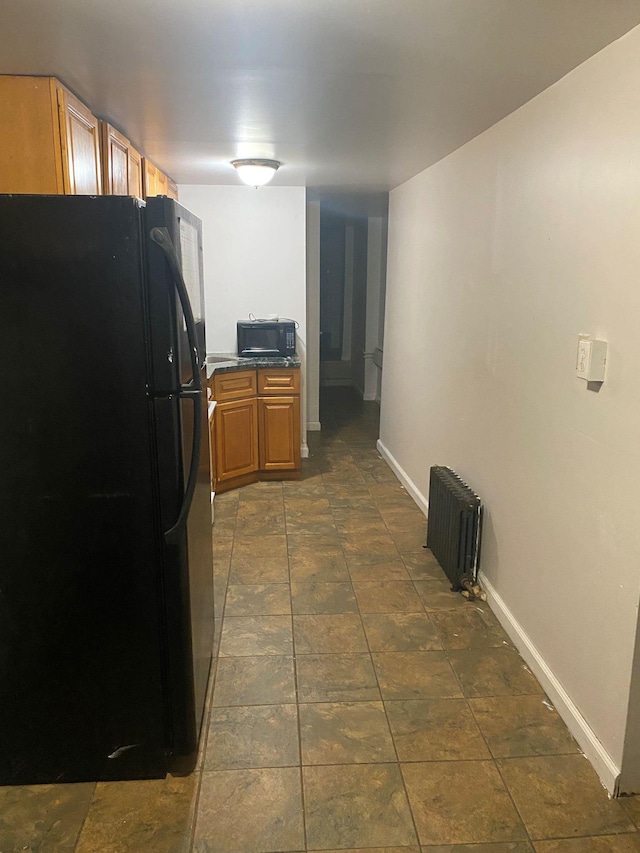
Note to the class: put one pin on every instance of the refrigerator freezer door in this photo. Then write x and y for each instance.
(171, 357)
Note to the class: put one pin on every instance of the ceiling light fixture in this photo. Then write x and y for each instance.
(256, 173)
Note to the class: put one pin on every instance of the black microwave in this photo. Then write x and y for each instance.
(266, 338)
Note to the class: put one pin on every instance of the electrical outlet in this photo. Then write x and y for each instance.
(591, 359)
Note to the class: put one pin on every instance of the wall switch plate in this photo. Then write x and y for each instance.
(591, 359)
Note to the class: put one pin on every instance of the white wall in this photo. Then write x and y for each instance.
(499, 256)
(254, 259)
(254, 255)
(376, 254)
(313, 315)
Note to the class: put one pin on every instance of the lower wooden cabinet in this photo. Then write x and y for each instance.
(256, 429)
(279, 432)
(236, 437)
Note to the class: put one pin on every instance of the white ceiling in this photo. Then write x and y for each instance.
(355, 95)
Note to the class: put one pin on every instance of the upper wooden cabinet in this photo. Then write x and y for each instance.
(121, 164)
(80, 137)
(172, 189)
(115, 160)
(49, 140)
(156, 182)
(136, 186)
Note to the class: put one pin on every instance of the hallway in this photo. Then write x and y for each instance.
(357, 702)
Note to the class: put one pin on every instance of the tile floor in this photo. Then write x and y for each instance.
(357, 703)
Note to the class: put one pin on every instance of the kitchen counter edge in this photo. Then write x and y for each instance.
(224, 363)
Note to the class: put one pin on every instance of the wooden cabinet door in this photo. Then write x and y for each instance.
(115, 156)
(135, 173)
(279, 433)
(161, 183)
(150, 173)
(30, 147)
(172, 189)
(212, 448)
(80, 133)
(236, 437)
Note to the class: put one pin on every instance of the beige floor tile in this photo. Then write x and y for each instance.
(522, 725)
(594, 844)
(374, 545)
(561, 796)
(493, 672)
(263, 490)
(256, 635)
(345, 733)
(632, 807)
(317, 543)
(259, 560)
(376, 568)
(421, 564)
(400, 632)
(43, 817)
(318, 568)
(309, 516)
(356, 806)
(323, 598)
(336, 678)
(373, 850)
(250, 811)
(258, 680)
(252, 736)
(387, 597)
(258, 600)
(410, 540)
(435, 730)
(473, 627)
(461, 802)
(491, 847)
(329, 633)
(415, 675)
(436, 595)
(153, 815)
(360, 525)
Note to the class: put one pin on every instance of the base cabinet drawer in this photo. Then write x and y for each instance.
(236, 438)
(236, 385)
(279, 432)
(278, 381)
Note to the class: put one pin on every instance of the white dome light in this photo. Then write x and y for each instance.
(256, 173)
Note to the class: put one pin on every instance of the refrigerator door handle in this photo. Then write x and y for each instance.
(192, 391)
(161, 237)
(189, 392)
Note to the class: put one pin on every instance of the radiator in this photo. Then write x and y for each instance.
(454, 524)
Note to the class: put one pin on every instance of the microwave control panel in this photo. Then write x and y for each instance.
(290, 341)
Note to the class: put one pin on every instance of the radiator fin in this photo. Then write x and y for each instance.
(453, 525)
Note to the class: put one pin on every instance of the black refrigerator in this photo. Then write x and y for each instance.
(106, 579)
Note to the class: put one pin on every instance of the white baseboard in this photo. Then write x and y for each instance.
(594, 751)
(404, 478)
(304, 450)
(314, 426)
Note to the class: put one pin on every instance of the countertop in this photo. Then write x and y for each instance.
(226, 363)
